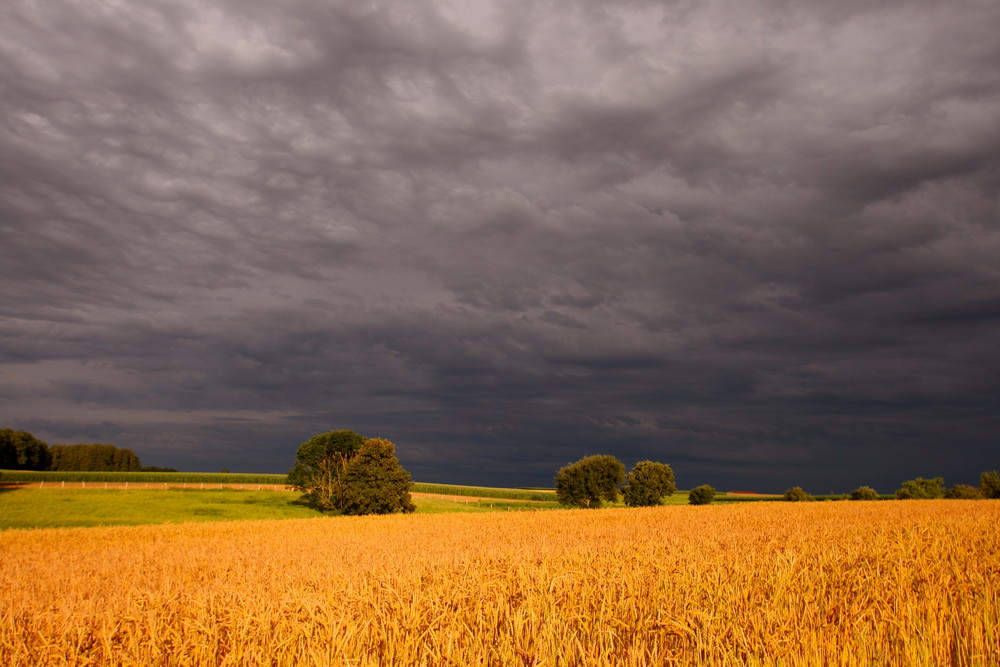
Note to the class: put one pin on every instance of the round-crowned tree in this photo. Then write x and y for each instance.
(589, 481)
(648, 483)
(375, 483)
(701, 495)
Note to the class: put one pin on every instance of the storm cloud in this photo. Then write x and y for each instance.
(756, 240)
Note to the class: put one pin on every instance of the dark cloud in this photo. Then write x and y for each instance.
(757, 241)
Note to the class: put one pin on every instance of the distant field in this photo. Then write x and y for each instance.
(55, 507)
(140, 477)
(860, 583)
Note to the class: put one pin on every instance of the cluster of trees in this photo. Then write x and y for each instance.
(93, 457)
(20, 450)
(344, 473)
(595, 479)
(919, 488)
(922, 487)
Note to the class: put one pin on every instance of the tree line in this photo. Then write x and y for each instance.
(20, 450)
(595, 479)
(601, 477)
(921, 488)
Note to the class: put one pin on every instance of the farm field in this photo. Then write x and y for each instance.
(912, 583)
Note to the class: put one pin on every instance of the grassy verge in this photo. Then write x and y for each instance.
(33, 507)
(59, 508)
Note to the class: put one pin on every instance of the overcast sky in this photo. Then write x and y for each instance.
(756, 239)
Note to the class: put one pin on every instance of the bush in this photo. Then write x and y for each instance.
(864, 493)
(589, 481)
(989, 484)
(701, 495)
(921, 488)
(648, 483)
(796, 495)
(965, 492)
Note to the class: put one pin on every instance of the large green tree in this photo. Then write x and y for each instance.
(589, 481)
(341, 472)
(648, 483)
(320, 463)
(19, 450)
(375, 483)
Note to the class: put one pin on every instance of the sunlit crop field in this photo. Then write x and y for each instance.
(885, 583)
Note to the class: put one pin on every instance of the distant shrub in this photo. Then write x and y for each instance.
(864, 493)
(989, 484)
(701, 495)
(921, 488)
(964, 492)
(796, 495)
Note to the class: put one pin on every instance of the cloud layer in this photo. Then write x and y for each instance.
(755, 240)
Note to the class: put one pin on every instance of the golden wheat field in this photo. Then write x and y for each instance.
(868, 583)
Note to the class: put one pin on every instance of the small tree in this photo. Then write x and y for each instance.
(648, 483)
(864, 493)
(589, 481)
(796, 495)
(375, 483)
(701, 495)
(989, 484)
(921, 488)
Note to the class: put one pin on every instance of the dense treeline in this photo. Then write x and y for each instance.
(20, 450)
(93, 457)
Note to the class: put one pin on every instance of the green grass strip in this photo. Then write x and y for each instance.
(35, 476)
(483, 492)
